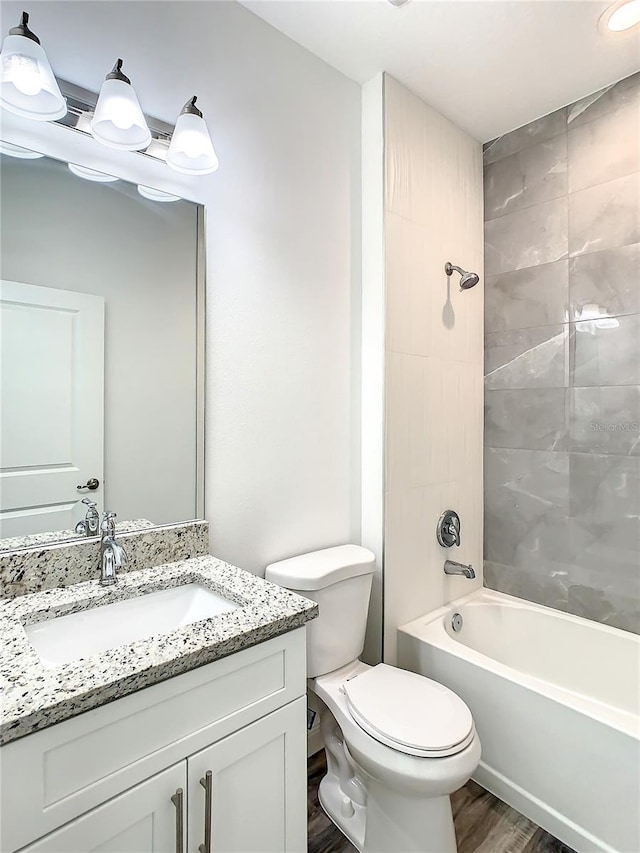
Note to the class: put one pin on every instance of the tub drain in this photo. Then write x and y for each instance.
(456, 622)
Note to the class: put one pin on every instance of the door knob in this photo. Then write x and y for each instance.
(91, 485)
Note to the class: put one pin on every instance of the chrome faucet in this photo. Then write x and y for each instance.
(112, 554)
(453, 568)
(90, 524)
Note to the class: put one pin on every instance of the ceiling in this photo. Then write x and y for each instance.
(488, 65)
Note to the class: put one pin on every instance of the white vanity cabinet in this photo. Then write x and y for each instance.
(142, 820)
(244, 792)
(108, 780)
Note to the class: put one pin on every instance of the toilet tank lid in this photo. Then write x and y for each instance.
(322, 568)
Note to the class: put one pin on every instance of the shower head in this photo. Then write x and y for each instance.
(467, 279)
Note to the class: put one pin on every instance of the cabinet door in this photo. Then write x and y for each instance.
(142, 820)
(258, 788)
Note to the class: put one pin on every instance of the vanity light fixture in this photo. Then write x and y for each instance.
(158, 149)
(622, 16)
(28, 86)
(156, 195)
(18, 151)
(91, 174)
(191, 150)
(118, 121)
(114, 118)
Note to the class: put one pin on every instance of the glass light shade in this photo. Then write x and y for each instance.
(91, 174)
(28, 86)
(18, 151)
(191, 150)
(118, 120)
(624, 17)
(156, 195)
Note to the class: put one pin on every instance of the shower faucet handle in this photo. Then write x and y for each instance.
(448, 529)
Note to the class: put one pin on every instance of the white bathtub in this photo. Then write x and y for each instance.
(556, 702)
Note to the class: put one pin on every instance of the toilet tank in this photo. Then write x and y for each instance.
(339, 580)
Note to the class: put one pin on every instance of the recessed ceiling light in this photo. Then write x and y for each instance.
(156, 195)
(91, 174)
(18, 151)
(622, 16)
(398, 3)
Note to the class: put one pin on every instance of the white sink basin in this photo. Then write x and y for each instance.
(89, 632)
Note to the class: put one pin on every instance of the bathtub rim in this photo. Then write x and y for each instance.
(431, 630)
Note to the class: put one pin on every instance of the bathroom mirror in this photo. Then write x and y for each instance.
(102, 341)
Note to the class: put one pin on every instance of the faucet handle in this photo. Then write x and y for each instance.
(89, 503)
(108, 525)
(448, 529)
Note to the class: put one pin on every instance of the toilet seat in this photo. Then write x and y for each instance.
(408, 712)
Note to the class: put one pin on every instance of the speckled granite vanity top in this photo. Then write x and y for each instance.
(35, 696)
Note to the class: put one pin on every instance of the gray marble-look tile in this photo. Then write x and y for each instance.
(606, 148)
(605, 284)
(605, 606)
(532, 585)
(605, 519)
(529, 419)
(536, 235)
(527, 358)
(526, 510)
(605, 216)
(535, 296)
(605, 420)
(613, 97)
(605, 351)
(524, 137)
(529, 177)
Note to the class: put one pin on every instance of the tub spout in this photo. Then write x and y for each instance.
(453, 568)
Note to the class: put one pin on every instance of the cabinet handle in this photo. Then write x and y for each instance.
(207, 784)
(178, 801)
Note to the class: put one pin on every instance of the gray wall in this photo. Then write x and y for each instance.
(562, 359)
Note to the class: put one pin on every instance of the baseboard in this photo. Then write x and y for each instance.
(541, 813)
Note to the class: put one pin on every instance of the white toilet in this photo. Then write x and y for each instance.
(397, 743)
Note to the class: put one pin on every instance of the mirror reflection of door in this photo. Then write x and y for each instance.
(79, 243)
(51, 421)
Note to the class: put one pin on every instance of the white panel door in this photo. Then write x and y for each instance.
(258, 787)
(51, 418)
(142, 820)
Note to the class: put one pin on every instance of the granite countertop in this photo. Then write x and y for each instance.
(35, 696)
(52, 537)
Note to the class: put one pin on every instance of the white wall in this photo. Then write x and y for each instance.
(373, 356)
(433, 354)
(283, 261)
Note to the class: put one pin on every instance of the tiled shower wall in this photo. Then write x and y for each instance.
(562, 359)
(433, 356)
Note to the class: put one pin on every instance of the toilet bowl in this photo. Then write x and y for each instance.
(397, 743)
